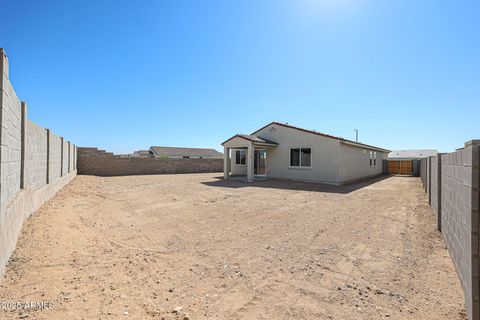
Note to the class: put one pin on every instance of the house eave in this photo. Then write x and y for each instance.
(255, 143)
(343, 140)
(364, 146)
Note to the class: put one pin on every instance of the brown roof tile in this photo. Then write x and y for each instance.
(321, 134)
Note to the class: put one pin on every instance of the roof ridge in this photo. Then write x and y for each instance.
(287, 125)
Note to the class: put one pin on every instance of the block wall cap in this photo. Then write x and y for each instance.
(472, 142)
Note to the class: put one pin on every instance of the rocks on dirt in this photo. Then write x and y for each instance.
(177, 310)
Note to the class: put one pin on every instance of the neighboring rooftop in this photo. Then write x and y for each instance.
(143, 153)
(412, 154)
(175, 152)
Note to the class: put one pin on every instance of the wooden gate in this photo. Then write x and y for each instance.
(400, 167)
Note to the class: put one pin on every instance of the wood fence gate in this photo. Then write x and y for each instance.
(400, 167)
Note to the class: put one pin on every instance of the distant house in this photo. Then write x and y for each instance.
(174, 152)
(412, 154)
(143, 154)
(407, 162)
(283, 151)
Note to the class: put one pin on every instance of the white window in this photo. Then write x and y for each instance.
(375, 158)
(371, 158)
(240, 157)
(301, 157)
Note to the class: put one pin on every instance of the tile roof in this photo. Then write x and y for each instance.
(256, 139)
(143, 152)
(322, 134)
(253, 138)
(176, 152)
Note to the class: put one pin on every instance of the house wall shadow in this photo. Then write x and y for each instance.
(296, 185)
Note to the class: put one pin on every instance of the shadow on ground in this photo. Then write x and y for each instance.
(295, 185)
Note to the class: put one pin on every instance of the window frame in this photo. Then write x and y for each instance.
(244, 158)
(299, 158)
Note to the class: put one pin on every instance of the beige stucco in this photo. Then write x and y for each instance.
(333, 161)
(239, 143)
(354, 163)
(237, 169)
(325, 155)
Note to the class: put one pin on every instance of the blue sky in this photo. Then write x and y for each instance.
(125, 75)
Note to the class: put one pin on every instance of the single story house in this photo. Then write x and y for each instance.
(283, 151)
(175, 152)
(143, 154)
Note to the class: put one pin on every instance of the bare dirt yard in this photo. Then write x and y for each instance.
(143, 247)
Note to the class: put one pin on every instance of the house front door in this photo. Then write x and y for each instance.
(260, 162)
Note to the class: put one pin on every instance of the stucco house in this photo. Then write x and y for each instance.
(283, 151)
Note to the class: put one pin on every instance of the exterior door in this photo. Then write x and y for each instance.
(260, 162)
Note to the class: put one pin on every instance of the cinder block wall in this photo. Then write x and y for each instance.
(54, 157)
(435, 188)
(10, 135)
(429, 179)
(65, 155)
(92, 161)
(452, 183)
(423, 173)
(36, 156)
(33, 165)
(460, 175)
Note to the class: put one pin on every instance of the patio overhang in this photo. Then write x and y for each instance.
(256, 140)
(248, 142)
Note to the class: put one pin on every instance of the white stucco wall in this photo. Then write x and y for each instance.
(234, 144)
(355, 163)
(235, 168)
(325, 155)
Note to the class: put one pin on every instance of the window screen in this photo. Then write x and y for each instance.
(240, 157)
(295, 157)
(301, 157)
(306, 156)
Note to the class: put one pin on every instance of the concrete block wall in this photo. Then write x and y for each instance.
(429, 179)
(460, 224)
(423, 173)
(10, 136)
(435, 188)
(31, 162)
(54, 156)
(75, 157)
(416, 168)
(36, 156)
(92, 161)
(71, 158)
(65, 159)
(452, 182)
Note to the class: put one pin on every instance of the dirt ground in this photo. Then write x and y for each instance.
(140, 247)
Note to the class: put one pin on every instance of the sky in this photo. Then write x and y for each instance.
(126, 75)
